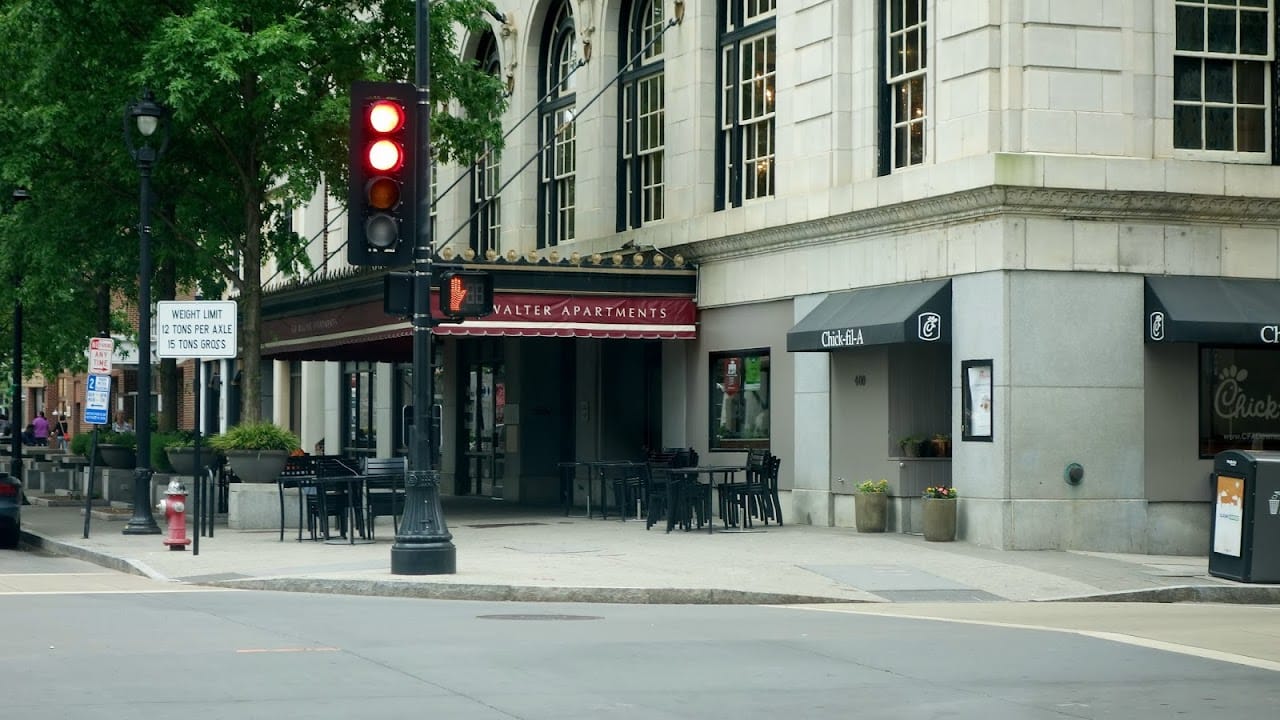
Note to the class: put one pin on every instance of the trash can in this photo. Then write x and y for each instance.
(1245, 532)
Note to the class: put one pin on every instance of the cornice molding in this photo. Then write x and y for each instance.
(992, 202)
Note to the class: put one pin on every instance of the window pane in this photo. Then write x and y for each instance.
(1251, 83)
(895, 14)
(1222, 31)
(1186, 78)
(1190, 28)
(1218, 81)
(1186, 126)
(911, 60)
(1253, 33)
(1251, 126)
(739, 410)
(901, 144)
(895, 55)
(1254, 3)
(1219, 128)
(913, 12)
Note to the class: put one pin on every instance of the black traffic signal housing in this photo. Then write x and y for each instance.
(382, 191)
(466, 294)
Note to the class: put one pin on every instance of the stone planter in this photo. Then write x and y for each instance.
(940, 519)
(117, 456)
(183, 459)
(871, 512)
(257, 466)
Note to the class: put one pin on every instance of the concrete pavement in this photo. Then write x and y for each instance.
(507, 552)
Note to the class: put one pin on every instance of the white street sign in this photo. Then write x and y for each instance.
(97, 396)
(195, 329)
(100, 350)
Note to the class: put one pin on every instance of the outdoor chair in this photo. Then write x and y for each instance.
(758, 497)
(384, 490)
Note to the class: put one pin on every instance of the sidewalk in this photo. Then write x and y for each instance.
(506, 552)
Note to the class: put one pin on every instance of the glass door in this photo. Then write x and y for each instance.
(485, 426)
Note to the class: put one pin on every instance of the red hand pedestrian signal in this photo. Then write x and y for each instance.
(466, 294)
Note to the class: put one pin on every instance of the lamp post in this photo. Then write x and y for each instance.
(424, 545)
(15, 408)
(141, 121)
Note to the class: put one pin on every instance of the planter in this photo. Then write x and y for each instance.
(117, 456)
(941, 448)
(871, 512)
(183, 459)
(940, 519)
(257, 466)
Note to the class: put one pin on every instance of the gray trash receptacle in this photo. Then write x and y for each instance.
(1245, 531)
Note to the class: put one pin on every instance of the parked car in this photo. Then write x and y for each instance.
(10, 511)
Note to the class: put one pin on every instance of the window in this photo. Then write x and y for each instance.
(641, 179)
(559, 163)
(486, 206)
(1239, 400)
(1221, 70)
(295, 397)
(906, 69)
(746, 145)
(739, 409)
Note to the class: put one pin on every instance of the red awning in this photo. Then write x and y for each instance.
(594, 316)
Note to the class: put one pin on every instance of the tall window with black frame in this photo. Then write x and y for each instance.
(558, 166)
(642, 119)
(486, 205)
(906, 38)
(1223, 77)
(746, 147)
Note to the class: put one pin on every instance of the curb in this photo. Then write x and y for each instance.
(526, 593)
(111, 562)
(1242, 594)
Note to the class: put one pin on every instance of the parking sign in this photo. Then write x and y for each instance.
(100, 350)
(97, 396)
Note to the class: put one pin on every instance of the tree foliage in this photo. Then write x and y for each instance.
(258, 94)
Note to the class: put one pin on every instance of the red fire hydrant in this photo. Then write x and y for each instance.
(174, 507)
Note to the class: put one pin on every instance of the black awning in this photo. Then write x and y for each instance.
(919, 312)
(1226, 311)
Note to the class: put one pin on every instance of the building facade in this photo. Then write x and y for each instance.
(1045, 234)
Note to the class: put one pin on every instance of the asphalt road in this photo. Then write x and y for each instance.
(78, 646)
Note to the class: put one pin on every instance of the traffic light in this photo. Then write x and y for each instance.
(466, 293)
(382, 193)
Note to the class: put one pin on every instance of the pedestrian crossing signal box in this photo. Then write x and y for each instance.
(466, 294)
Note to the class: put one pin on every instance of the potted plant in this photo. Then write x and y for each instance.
(941, 445)
(910, 445)
(940, 513)
(181, 453)
(871, 506)
(257, 452)
(118, 449)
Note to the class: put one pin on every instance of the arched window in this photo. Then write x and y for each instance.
(641, 179)
(746, 148)
(486, 205)
(558, 166)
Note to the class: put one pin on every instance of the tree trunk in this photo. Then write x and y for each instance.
(251, 314)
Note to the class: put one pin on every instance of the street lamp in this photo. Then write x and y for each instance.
(15, 408)
(141, 121)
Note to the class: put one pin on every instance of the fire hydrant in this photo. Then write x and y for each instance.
(174, 507)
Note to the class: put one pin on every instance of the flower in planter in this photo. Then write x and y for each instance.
(941, 491)
(873, 486)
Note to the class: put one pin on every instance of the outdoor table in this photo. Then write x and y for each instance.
(727, 475)
(598, 470)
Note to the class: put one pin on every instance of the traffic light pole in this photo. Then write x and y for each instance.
(423, 544)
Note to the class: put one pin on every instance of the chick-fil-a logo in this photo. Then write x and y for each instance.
(1231, 402)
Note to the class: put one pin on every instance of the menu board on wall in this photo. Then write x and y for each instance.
(975, 382)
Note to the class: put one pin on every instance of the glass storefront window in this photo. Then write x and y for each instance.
(358, 436)
(1239, 400)
(739, 403)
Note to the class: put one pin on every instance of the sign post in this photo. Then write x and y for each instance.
(197, 329)
(97, 399)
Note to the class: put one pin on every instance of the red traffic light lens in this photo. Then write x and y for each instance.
(386, 116)
(383, 193)
(386, 156)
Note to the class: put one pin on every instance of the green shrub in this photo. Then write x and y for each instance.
(127, 439)
(256, 436)
(161, 441)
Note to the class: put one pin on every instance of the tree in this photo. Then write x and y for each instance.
(258, 91)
